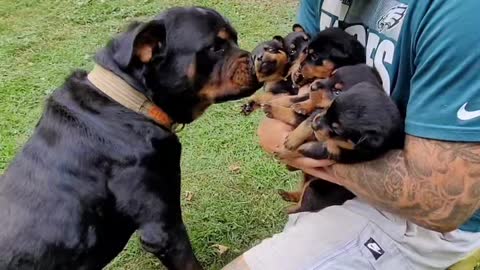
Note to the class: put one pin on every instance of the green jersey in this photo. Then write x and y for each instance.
(428, 55)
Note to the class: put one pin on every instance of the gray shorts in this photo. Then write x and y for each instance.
(358, 236)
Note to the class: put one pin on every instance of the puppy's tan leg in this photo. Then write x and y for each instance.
(299, 135)
(287, 101)
(298, 207)
(256, 101)
(284, 114)
(308, 106)
(334, 147)
(293, 196)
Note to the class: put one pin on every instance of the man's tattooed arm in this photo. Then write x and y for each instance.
(435, 184)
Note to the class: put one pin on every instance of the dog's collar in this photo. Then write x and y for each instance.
(120, 91)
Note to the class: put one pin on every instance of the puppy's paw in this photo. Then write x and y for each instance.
(288, 196)
(299, 108)
(268, 110)
(292, 143)
(315, 150)
(249, 107)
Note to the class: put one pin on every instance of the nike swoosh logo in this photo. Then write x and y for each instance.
(465, 115)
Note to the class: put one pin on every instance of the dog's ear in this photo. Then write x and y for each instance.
(297, 28)
(338, 54)
(371, 140)
(141, 43)
(278, 38)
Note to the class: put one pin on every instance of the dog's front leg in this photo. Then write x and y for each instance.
(170, 243)
(153, 203)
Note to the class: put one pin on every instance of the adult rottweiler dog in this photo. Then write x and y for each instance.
(103, 160)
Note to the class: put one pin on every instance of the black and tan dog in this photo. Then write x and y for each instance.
(330, 50)
(353, 120)
(273, 60)
(103, 161)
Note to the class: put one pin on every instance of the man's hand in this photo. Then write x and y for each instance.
(272, 134)
(433, 183)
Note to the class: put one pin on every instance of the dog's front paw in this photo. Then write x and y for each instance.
(292, 143)
(299, 108)
(249, 107)
(268, 110)
(288, 196)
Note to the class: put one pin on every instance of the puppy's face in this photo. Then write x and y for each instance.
(270, 60)
(187, 59)
(296, 42)
(341, 80)
(363, 116)
(330, 49)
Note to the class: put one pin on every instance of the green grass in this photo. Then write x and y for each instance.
(42, 41)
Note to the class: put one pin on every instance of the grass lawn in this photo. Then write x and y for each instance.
(232, 181)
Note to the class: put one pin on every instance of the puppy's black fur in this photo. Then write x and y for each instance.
(365, 116)
(360, 123)
(328, 50)
(93, 171)
(273, 60)
(295, 42)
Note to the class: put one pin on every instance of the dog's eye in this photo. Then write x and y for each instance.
(336, 128)
(271, 50)
(315, 56)
(292, 52)
(216, 48)
(336, 92)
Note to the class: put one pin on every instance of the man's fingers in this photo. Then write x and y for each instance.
(272, 134)
(304, 162)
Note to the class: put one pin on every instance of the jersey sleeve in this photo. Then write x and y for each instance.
(444, 100)
(308, 15)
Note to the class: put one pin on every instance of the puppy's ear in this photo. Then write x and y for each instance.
(338, 54)
(278, 38)
(297, 28)
(140, 44)
(371, 140)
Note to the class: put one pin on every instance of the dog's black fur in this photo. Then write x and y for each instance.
(295, 42)
(93, 171)
(359, 112)
(330, 49)
(366, 116)
(273, 60)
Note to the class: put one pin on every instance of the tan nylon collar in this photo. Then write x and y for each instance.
(120, 91)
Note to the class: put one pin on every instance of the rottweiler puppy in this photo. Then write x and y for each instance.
(358, 123)
(295, 42)
(294, 110)
(328, 50)
(96, 170)
(273, 61)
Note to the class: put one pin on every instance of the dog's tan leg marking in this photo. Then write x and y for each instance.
(299, 135)
(308, 106)
(284, 114)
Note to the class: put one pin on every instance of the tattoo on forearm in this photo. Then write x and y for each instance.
(435, 184)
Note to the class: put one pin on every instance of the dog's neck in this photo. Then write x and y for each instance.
(120, 91)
